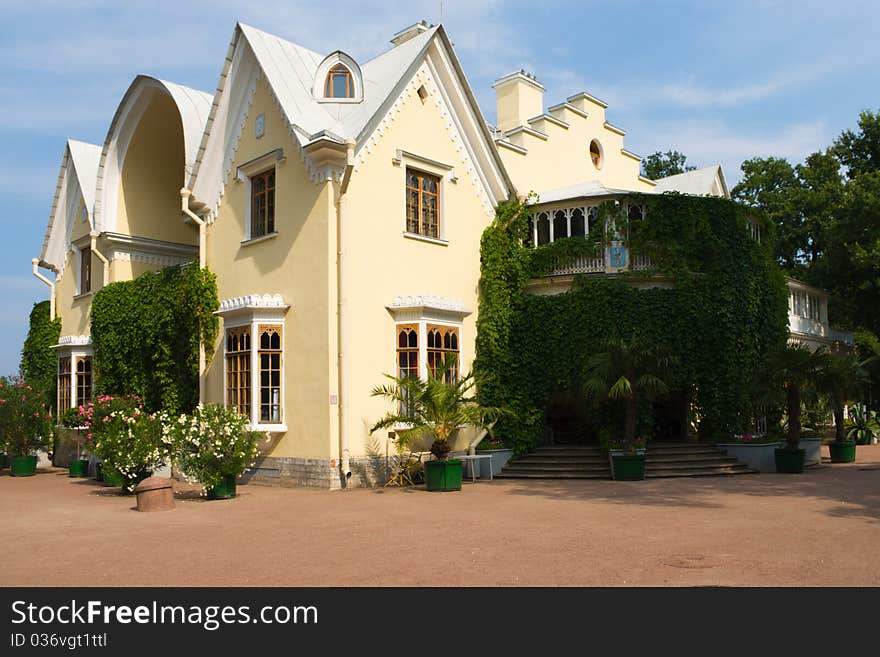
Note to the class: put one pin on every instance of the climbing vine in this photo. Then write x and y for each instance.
(38, 360)
(714, 298)
(146, 334)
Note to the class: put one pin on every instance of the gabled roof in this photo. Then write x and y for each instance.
(708, 181)
(193, 106)
(77, 177)
(290, 71)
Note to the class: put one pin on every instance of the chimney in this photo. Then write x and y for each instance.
(518, 97)
(408, 33)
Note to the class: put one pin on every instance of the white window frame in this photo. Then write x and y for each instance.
(255, 311)
(243, 174)
(70, 348)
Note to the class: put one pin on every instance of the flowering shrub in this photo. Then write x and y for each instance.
(212, 443)
(752, 438)
(25, 421)
(627, 446)
(490, 442)
(128, 440)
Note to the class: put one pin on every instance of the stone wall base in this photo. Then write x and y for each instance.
(366, 472)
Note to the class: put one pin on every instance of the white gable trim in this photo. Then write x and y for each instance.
(324, 67)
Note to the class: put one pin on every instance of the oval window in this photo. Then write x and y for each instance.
(596, 154)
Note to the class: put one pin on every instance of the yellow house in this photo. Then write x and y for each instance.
(341, 205)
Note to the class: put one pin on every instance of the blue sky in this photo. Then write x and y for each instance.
(719, 81)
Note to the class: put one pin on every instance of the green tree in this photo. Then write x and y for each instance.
(793, 368)
(660, 165)
(628, 370)
(39, 364)
(433, 408)
(859, 151)
(839, 376)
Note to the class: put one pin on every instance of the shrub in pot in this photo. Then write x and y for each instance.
(130, 442)
(214, 445)
(433, 409)
(862, 425)
(793, 368)
(628, 371)
(25, 423)
(839, 376)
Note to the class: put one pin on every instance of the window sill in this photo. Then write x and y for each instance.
(271, 428)
(84, 295)
(425, 238)
(261, 238)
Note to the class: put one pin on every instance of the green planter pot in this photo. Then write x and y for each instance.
(790, 461)
(4, 461)
(99, 472)
(79, 468)
(24, 466)
(224, 490)
(628, 467)
(842, 451)
(443, 475)
(111, 478)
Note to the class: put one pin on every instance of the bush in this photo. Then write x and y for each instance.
(129, 441)
(212, 443)
(25, 421)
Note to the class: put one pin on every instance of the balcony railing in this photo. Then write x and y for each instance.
(603, 262)
(581, 265)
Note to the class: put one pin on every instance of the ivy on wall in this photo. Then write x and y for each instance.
(146, 334)
(39, 365)
(725, 309)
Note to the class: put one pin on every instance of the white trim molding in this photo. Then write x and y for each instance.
(427, 308)
(324, 67)
(66, 341)
(267, 306)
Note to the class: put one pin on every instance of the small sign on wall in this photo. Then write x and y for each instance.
(260, 125)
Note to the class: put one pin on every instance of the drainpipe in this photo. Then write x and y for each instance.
(105, 270)
(342, 333)
(185, 195)
(36, 264)
(184, 206)
(472, 448)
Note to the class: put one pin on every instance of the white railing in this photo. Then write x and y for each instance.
(581, 265)
(641, 261)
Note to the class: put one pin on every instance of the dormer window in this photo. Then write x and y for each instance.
(339, 83)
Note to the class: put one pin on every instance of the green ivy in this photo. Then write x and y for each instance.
(39, 365)
(725, 309)
(146, 334)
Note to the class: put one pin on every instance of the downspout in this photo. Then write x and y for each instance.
(36, 264)
(105, 270)
(342, 333)
(185, 195)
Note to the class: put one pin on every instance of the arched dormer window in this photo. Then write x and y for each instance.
(339, 83)
(338, 80)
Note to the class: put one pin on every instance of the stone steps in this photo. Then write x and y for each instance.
(589, 462)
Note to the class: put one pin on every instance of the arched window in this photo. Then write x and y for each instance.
(339, 83)
(596, 154)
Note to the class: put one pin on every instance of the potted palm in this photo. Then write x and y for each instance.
(25, 423)
(839, 376)
(793, 368)
(434, 409)
(628, 371)
(213, 445)
(862, 425)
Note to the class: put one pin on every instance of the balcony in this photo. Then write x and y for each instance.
(614, 258)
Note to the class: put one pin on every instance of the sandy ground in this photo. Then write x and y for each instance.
(819, 528)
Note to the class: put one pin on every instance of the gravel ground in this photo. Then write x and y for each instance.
(820, 528)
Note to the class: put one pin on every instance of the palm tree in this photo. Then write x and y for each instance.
(839, 376)
(628, 370)
(793, 368)
(434, 407)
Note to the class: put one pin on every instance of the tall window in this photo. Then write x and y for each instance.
(443, 343)
(407, 355)
(269, 357)
(85, 270)
(83, 379)
(64, 400)
(422, 203)
(339, 83)
(263, 203)
(238, 369)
